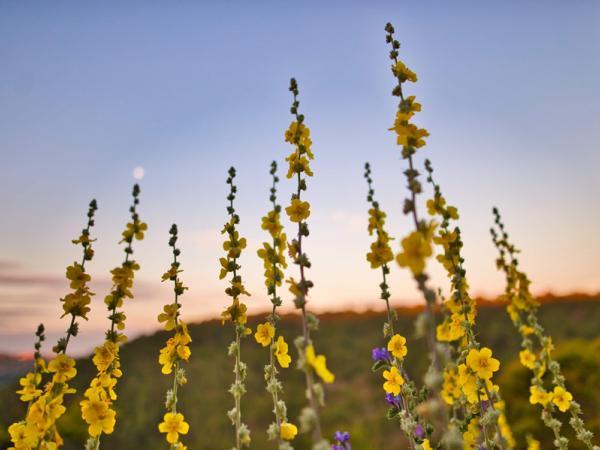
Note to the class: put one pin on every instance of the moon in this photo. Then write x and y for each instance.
(138, 173)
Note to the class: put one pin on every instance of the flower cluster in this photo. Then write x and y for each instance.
(417, 246)
(96, 408)
(38, 429)
(236, 312)
(401, 392)
(468, 383)
(273, 257)
(537, 345)
(175, 351)
(298, 135)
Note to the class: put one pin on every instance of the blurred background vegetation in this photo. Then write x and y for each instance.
(355, 400)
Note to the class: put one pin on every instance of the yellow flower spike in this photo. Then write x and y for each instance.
(561, 398)
(173, 425)
(175, 351)
(397, 346)
(97, 407)
(265, 332)
(394, 381)
(288, 431)
(298, 210)
(482, 363)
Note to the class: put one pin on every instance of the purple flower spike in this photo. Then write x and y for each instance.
(419, 432)
(381, 354)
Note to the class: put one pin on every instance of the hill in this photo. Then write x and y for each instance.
(355, 400)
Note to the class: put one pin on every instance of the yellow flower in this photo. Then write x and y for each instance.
(23, 435)
(171, 274)
(298, 210)
(394, 381)
(236, 312)
(30, 382)
(98, 415)
(468, 384)
(224, 268)
(380, 253)
(450, 389)
(318, 362)
(169, 316)
(76, 303)
(482, 363)
(426, 445)
(404, 73)
(281, 352)
(471, 435)
(265, 332)
(173, 424)
(77, 276)
(538, 395)
(298, 164)
(561, 398)
(526, 330)
(532, 444)
(134, 230)
(104, 355)
(397, 346)
(409, 135)
(415, 249)
(288, 431)
(527, 359)
(63, 368)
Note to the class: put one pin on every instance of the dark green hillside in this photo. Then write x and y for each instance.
(354, 401)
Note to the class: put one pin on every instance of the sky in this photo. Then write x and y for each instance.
(91, 91)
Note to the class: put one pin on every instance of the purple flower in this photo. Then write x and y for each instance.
(341, 438)
(484, 405)
(419, 432)
(393, 400)
(381, 354)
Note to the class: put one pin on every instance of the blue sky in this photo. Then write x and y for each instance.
(185, 89)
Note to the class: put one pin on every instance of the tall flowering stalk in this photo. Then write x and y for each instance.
(236, 312)
(38, 429)
(175, 351)
(468, 381)
(31, 382)
(298, 135)
(273, 257)
(537, 345)
(97, 408)
(416, 247)
(401, 393)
